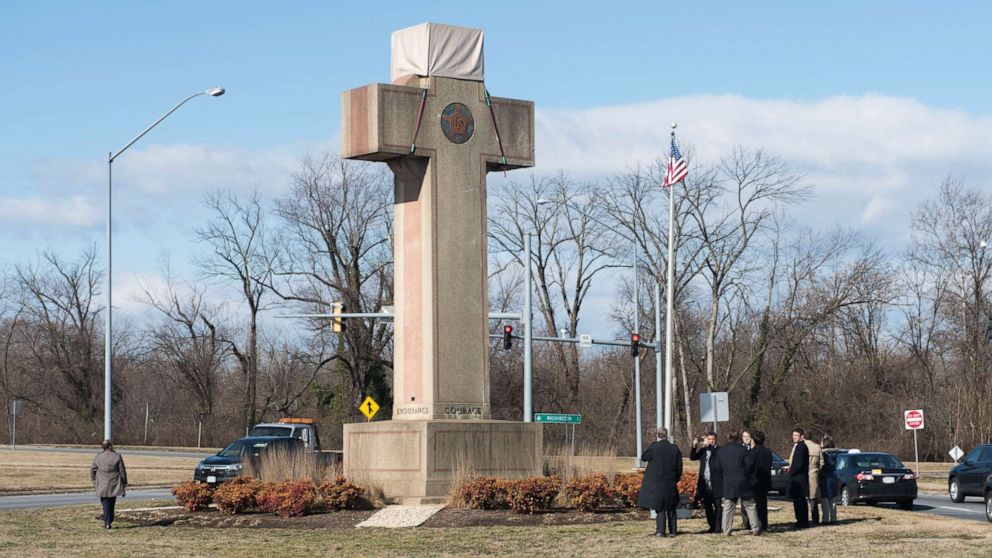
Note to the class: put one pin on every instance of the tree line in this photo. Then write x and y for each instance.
(822, 328)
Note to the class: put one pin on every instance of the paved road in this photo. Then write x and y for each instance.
(972, 509)
(123, 452)
(939, 504)
(75, 498)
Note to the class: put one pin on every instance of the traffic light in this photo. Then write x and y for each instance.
(635, 344)
(988, 332)
(338, 326)
(507, 337)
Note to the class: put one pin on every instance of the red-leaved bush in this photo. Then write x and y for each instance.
(589, 493)
(534, 494)
(287, 499)
(192, 495)
(237, 496)
(486, 493)
(687, 485)
(627, 486)
(340, 494)
(265, 498)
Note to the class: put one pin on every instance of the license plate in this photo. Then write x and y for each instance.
(211, 479)
(888, 480)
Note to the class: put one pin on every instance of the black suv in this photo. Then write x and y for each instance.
(229, 462)
(968, 477)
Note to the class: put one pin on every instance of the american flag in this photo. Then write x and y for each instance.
(678, 169)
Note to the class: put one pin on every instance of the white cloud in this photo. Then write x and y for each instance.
(75, 211)
(167, 171)
(871, 159)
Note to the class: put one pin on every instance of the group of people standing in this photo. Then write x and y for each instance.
(812, 485)
(738, 473)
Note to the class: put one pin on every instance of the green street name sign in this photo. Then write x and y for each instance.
(557, 418)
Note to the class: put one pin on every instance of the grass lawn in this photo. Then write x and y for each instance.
(864, 531)
(38, 470)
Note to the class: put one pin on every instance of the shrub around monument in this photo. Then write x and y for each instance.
(192, 495)
(339, 494)
(626, 487)
(486, 493)
(288, 498)
(237, 496)
(687, 485)
(589, 493)
(534, 494)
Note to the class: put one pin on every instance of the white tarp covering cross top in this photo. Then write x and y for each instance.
(433, 49)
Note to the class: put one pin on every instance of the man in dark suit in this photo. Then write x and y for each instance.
(660, 491)
(762, 478)
(709, 488)
(736, 466)
(799, 478)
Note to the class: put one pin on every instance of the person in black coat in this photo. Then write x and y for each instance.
(660, 491)
(736, 466)
(709, 488)
(799, 478)
(762, 479)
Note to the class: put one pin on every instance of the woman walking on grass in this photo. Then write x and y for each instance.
(109, 479)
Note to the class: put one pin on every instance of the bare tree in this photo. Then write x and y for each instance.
(822, 275)
(187, 339)
(572, 245)
(239, 253)
(338, 247)
(60, 337)
(950, 241)
(754, 183)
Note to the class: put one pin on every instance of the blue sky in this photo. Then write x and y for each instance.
(873, 101)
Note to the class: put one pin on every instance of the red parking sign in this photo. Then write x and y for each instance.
(914, 419)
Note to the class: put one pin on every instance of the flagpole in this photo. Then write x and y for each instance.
(669, 307)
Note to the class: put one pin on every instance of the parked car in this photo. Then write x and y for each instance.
(780, 474)
(304, 429)
(988, 498)
(230, 461)
(874, 477)
(968, 477)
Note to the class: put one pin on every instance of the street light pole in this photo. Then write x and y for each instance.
(528, 320)
(108, 371)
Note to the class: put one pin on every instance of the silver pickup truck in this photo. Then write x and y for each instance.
(303, 428)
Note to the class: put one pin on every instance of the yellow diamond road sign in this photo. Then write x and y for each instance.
(369, 407)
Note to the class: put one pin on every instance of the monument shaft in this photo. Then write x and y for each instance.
(441, 364)
(435, 129)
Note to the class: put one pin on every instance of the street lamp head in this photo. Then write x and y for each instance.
(215, 91)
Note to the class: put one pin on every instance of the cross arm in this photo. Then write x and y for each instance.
(378, 121)
(515, 122)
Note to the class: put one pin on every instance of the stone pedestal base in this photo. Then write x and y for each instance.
(417, 461)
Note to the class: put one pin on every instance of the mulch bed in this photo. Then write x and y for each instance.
(347, 519)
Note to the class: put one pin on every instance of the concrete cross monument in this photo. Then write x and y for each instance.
(440, 133)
